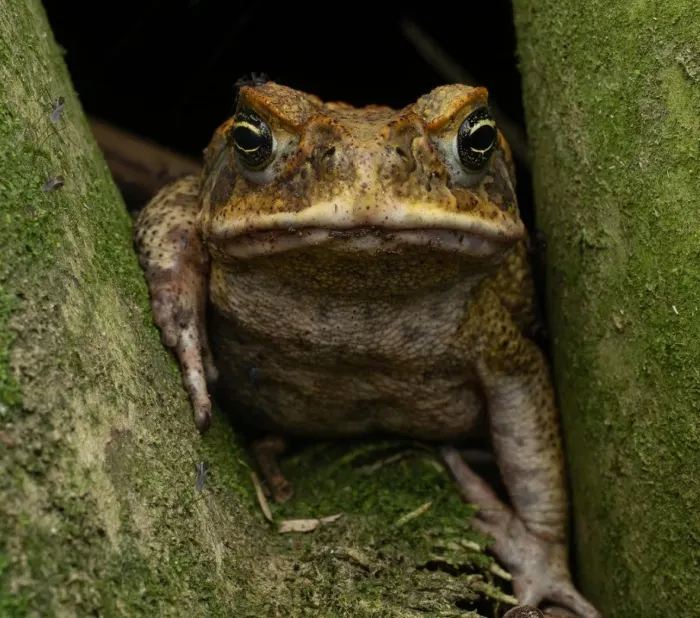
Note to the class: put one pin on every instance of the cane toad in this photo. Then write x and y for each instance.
(347, 271)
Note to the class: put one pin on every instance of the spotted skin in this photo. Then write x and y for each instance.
(176, 265)
(364, 280)
(524, 611)
(528, 611)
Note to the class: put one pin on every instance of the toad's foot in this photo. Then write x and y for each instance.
(538, 565)
(177, 313)
(266, 453)
(175, 264)
(524, 611)
(555, 611)
(527, 611)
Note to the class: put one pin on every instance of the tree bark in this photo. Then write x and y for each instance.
(612, 97)
(99, 515)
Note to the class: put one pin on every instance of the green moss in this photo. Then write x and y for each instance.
(98, 513)
(9, 389)
(369, 558)
(613, 101)
(11, 604)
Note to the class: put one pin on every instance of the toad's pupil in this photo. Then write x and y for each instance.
(247, 139)
(482, 138)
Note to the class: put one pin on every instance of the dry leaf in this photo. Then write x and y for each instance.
(306, 525)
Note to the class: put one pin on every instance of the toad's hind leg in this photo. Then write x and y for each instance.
(532, 537)
(539, 566)
(176, 268)
(266, 453)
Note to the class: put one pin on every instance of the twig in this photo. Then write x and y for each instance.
(413, 514)
(471, 545)
(138, 164)
(498, 571)
(261, 496)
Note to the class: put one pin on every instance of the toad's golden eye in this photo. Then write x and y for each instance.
(252, 139)
(476, 139)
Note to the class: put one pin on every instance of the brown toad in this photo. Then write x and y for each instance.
(362, 271)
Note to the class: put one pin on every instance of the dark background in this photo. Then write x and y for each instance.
(165, 69)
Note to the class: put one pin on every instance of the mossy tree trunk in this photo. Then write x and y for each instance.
(98, 510)
(612, 97)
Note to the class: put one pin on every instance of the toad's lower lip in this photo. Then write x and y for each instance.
(361, 238)
(361, 231)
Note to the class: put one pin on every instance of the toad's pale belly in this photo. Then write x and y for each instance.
(275, 393)
(297, 364)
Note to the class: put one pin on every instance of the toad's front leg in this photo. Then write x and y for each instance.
(176, 267)
(531, 540)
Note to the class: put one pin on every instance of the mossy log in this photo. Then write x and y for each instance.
(99, 514)
(612, 98)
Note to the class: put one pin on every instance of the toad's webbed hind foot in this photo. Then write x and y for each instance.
(538, 565)
(527, 611)
(266, 453)
(524, 611)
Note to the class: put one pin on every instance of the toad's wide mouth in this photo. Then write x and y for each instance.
(365, 229)
(266, 242)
